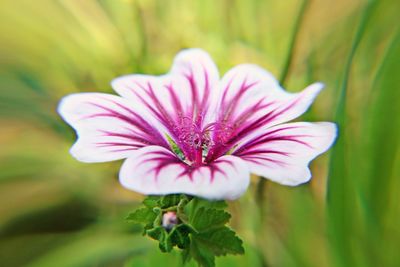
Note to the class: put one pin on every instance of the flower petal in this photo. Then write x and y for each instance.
(283, 152)
(156, 170)
(251, 99)
(201, 76)
(182, 101)
(185, 92)
(108, 127)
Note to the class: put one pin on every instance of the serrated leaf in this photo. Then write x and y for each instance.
(152, 201)
(201, 254)
(170, 200)
(180, 211)
(201, 232)
(142, 216)
(196, 203)
(205, 219)
(180, 236)
(161, 235)
(156, 233)
(165, 244)
(221, 241)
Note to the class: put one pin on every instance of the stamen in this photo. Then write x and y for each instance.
(196, 142)
(223, 133)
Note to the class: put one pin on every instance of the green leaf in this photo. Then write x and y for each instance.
(200, 202)
(221, 241)
(186, 256)
(196, 203)
(156, 233)
(201, 233)
(159, 233)
(205, 219)
(170, 200)
(202, 254)
(180, 210)
(180, 236)
(152, 201)
(142, 216)
(166, 201)
(165, 244)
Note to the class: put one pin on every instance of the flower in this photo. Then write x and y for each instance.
(189, 131)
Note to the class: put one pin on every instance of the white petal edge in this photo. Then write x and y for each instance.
(194, 62)
(251, 100)
(93, 145)
(137, 174)
(265, 87)
(306, 98)
(297, 169)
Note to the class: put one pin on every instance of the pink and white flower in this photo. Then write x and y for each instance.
(191, 132)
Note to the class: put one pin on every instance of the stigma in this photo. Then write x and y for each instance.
(196, 142)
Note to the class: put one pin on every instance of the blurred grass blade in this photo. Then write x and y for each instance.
(383, 172)
(292, 44)
(344, 218)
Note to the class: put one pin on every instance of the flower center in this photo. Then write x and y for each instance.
(193, 141)
(196, 142)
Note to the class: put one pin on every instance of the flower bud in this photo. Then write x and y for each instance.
(169, 220)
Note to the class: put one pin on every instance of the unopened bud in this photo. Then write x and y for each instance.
(169, 220)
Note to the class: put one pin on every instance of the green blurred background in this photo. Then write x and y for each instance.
(56, 211)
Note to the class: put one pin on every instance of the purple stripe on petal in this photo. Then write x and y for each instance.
(193, 89)
(207, 90)
(186, 92)
(283, 152)
(175, 99)
(263, 151)
(235, 100)
(108, 127)
(251, 101)
(151, 135)
(155, 170)
(264, 160)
